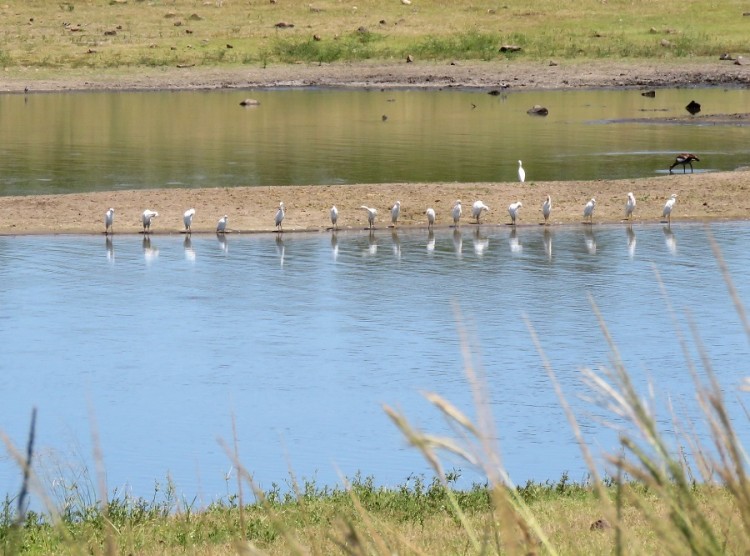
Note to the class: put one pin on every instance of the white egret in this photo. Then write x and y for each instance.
(456, 212)
(430, 212)
(521, 172)
(513, 211)
(109, 219)
(280, 213)
(371, 214)
(395, 211)
(547, 209)
(667, 212)
(477, 208)
(221, 225)
(630, 206)
(684, 159)
(148, 215)
(588, 210)
(187, 218)
(334, 217)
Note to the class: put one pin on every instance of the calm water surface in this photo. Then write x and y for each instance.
(303, 337)
(71, 142)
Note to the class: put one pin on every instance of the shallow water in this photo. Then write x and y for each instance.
(77, 142)
(301, 338)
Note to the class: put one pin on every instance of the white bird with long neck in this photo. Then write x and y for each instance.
(334, 217)
(630, 206)
(477, 208)
(513, 211)
(187, 218)
(109, 220)
(147, 217)
(430, 212)
(456, 212)
(521, 172)
(588, 210)
(395, 211)
(280, 214)
(371, 214)
(221, 225)
(547, 209)
(667, 212)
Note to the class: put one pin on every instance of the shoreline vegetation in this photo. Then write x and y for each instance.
(667, 492)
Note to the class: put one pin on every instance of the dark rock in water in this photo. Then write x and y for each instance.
(650, 94)
(537, 110)
(250, 102)
(693, 107)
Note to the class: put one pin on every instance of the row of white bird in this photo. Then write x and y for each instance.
(477, 209)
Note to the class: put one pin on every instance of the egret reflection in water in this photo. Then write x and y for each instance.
(515, 244)
(150, 252)
(481, 243)
(631, 242)
(187, 244)
(547, 240)
(458, 241)
(221, 237)
(670, 240)
(334, 244)
(588, 234)
(430, 241)
(396, 243)
(280, 250)
(110, 249)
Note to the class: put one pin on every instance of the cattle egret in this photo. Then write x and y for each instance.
(630, 206)
(371, 214)
(395, 211)
(684, 159)
(280, 213)
(588, 210)
(521, 172)
(187, 218)
(477, 208)
(221, 226)
(334, 217)
(456, 212)
(148, 215)
(547, 209)
(667, 212)
(513, 211)
(109, 219)
(430, 212)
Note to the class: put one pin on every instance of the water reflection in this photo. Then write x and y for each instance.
(223, 244)
(547, 240)
(588, 233)
(515, 244)
(670, 240)
(458, 241)
(187, 245)
(396, 243)
(110, 249)
(280, 249)
(631, 241)
(150, 253)
(335, 244)
(481, 242)
(372, 245)
(430, 241)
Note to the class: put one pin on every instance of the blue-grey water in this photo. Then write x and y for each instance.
(300, 338)
(78, 142)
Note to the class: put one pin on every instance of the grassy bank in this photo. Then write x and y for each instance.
(137, 33)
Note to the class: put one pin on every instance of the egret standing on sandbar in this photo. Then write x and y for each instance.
(456, 212)
(667, 212)
(477, 208)
(280, 217)
(371, 214)
(221, 226)
(334, 217)
(630, 206)
(187, 218)
(521, 172)
(430, 212)
(513, 210)
(109, 219)
(547, 209)
(588, 210)
(395, 211)
(148, 215)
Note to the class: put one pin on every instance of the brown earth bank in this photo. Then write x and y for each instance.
(701, 196)
(470, 74)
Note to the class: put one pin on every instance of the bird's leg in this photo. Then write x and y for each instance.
(691, 167)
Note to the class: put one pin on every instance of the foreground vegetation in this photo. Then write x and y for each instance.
(139, 33)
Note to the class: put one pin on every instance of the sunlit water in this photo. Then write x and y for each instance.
(74, 142)
(159, 345)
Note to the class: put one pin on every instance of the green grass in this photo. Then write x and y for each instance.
(136, 33)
